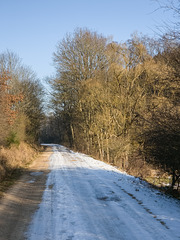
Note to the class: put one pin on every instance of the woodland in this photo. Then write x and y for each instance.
(119, 102)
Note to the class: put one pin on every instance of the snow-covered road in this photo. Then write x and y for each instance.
(86, 199)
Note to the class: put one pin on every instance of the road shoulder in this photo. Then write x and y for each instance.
(21, 201)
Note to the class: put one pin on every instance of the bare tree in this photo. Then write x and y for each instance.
(78, 58)
(170, 30)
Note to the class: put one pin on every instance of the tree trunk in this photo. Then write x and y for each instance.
(107, 149)
(99, 147)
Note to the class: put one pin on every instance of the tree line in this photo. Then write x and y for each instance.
(21, 115)
(21, 101)
(118, 101)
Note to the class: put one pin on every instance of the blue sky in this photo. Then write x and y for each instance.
(32, 28)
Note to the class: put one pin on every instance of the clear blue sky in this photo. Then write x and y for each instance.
(32, 28)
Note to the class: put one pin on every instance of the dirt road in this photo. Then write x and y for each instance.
(85, 199)
(21, 201)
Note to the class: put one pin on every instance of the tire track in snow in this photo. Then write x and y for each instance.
(108, 196)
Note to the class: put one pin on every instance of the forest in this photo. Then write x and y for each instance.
(119, 102)
(21, 114)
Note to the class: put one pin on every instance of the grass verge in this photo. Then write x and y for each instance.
(13, 161)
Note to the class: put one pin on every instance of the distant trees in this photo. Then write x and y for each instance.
(118, 100)
(20, 101)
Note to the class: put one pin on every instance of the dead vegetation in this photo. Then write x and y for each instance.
(15, 158)
(154, 175)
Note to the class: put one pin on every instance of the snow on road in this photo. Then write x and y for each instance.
(86, 199)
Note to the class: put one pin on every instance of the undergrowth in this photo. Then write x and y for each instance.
(14, 158)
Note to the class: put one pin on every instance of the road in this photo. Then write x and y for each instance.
(86, 199)
(68, 195)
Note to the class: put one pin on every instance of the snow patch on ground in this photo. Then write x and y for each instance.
(31, 181)
(36, 173)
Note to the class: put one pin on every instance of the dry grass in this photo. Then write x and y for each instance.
(15, 157)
